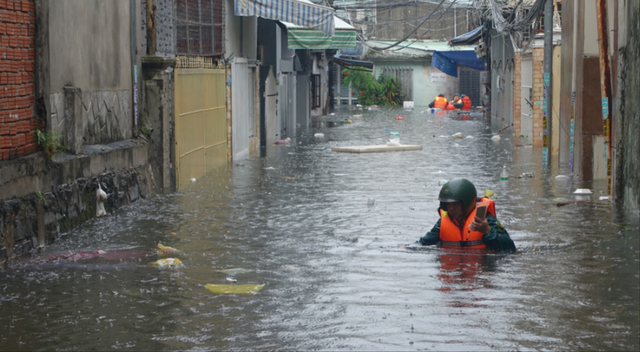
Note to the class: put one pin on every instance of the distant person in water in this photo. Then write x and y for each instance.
(459, 227)
(453, 103)
(440, 102)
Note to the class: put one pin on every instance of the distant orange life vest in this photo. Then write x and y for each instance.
(466, 104)
(440, 103)
(454, 237)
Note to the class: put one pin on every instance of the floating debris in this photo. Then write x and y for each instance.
(235, 271)
(583, 191)
(234, 289)
(167, 263)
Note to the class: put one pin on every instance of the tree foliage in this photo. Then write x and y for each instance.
(383, 91)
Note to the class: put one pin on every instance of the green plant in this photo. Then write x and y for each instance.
(39, 195)
(146, 131)
(370, 91)
(50, 142)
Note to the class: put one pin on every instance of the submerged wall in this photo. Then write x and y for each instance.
(40, 198)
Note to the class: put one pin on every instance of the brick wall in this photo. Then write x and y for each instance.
(538, 86)
(17, 62)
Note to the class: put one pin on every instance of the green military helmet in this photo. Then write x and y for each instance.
(459, 189)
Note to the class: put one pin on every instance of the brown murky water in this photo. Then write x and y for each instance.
(323, 232)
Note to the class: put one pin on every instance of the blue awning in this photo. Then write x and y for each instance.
(448, 61)
(468, 38)
(300, 12)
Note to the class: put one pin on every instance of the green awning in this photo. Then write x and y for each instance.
(299, 37)
(312, 39)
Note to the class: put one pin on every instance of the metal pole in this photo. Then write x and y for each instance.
(548, 65)
(455, 23)
(605, 83)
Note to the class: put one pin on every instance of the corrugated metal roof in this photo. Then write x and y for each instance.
(410, 49)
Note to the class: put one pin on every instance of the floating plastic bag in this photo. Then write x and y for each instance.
(162, 249)
(398, 117)
(234, 289)
(101, 196)
(167, 263)
(488, 193)
(496, 138)
(458, 135)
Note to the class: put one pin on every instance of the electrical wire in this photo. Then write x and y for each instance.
(412, 32)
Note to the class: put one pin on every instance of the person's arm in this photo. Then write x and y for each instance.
(431, 104)
(458, 105)
(432, 237)
(498, 238)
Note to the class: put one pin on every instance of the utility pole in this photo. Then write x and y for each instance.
(548, 65)
(605, 83)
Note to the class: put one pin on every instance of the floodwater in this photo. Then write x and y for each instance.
(324, 232)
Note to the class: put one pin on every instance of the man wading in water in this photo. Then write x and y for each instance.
(466, 222)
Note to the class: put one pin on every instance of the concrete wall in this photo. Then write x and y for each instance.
(591, 28)
(424, 90)
(566, 81)
(165, 28)
(628, 122)
(241, 34)
(86, 44)
(41, 198)
(35, 220)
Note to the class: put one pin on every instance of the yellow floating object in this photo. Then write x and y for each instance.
(349, 121)
(162, 249)
(488, 193)
(167, 263)
(234, 289)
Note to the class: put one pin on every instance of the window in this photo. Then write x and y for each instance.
(315, 91)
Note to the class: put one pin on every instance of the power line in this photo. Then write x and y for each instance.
(413, 31)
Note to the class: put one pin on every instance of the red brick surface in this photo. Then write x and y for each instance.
(17, 66)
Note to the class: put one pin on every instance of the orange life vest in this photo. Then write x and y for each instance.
(440, 103)
(454, 237)
(466, 104)
(450, 106)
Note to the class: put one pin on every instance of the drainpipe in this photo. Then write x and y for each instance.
(151, 27)
(547, 97)
(605, 83)
(134, 62)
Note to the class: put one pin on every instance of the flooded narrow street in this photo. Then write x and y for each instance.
(323, 232)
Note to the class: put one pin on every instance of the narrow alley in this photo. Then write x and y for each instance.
(324, 232)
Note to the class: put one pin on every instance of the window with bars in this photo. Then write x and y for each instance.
(315, 91)
(200, 27)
